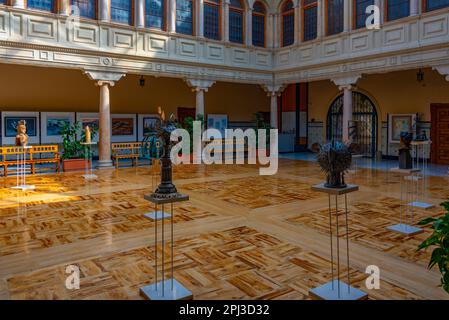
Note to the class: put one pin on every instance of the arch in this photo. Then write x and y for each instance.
(185, 17)
(287, 23)
(363, 130)
(258, 28)
(156, 14)
(212, 19)
(87, 8)
(236, 21)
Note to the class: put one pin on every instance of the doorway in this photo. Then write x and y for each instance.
(440, 133)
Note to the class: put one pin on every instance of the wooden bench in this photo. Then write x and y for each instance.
(238, 147)
(126, 150)
(35, 155)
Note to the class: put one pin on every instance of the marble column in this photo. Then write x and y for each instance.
(274, 110)
(226, 21)
(414, 7)
(296, 26)
(347, 16)
(199, 107)
(249, 27)
(200, 21)
(139, 13)
(199, 86)
(63, 8)
(171, 16)
(319, 19)
(379, 4)
(347, 111)
(20, 4)
(105, 125)
(103, 10)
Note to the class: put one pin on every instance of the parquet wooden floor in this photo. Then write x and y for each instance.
(241, 235)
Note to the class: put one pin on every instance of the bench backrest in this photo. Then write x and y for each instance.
(126, 148)
(45, 151)
(10, 153)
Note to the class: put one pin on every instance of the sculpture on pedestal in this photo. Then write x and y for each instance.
(88, 134)
(166, 188)
(334, 159)
(21, 137)
(405, 158)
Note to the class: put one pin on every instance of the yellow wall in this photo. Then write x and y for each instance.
(26, 88)
(395, 92)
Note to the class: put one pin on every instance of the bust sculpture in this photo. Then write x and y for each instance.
(334, 159)
(22, 137)
(405, 158)
(87, 134)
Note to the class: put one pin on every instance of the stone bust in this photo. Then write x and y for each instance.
(22, 137)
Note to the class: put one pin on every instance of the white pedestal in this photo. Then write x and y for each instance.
(21, 169)
(405, 229)
(169, 289)
(88, 158)
(157, 215)
(337, 290)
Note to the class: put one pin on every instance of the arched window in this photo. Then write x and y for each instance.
(212, 18)
(87, 8)
(310, 19)
(46, 5)
(397, 9)
(430, 5)
(236, 21)
(360, 14)
(335, 16)
(155, 14)
(121, 11)
(258, 27)
(184, 16)
(288, 23)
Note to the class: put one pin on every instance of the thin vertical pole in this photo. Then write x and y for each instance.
(347, 242)
(331, 236)
(155, 243)
(163, 251)
(172, 269)
(338, 246)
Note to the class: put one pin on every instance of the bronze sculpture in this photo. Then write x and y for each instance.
(405, 158)
(334, 158)
(21, 137)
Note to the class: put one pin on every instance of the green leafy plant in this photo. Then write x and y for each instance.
(72, 147)
(260, 123)
(188, 125)
(440, 240)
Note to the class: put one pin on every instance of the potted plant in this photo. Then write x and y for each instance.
(188, 125)
(260, 123)
(439, 239)
(73, 151)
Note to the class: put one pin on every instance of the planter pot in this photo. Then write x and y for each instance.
(74, 165)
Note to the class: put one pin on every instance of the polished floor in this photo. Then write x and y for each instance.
(241, 235)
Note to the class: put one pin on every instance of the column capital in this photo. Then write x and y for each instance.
(346, 82)
(199, 84)
(273, 90)
(443, 70)
(104, 77)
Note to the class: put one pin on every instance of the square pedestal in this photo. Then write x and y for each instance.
(405, 229)
(421, 205)
(90, 176)
(159, 215)
(329, 292)
(177, 292)
(24, 187)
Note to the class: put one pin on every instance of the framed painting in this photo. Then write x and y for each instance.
(150, 125)
(218, 121)
(93, 123)
(398, 123)
(55, 125)
(12, 122)
(122, 126)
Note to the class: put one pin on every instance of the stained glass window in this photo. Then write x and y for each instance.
(236, 21)
(87, 8)
(155, 14)
(335, 16)
(397, 9)
(47, 5)
(258, 27)
(360, 12)
(436, 4)
(212, 19)
(310, 19)
(184, 17)
(288, 24)
(121, 11)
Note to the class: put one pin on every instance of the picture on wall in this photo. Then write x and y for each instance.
(150, 125)
(399, 123)
(93, 123)
(217, 121)
(122, 126)
(12, 122)
(55, 125)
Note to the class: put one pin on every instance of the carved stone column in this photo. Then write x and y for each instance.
(320, 19)
(103, 10)
(249, 27)
(199, 86)
(273, 91)
(347, 16)
(63, 7)
(104, 80)
(297, 25)
(171, 16)
(200, 21)
(346, 85)
(20, 4)
(140, 13)
(414, 7)
(226, 20)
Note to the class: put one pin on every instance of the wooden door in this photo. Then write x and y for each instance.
(440, 133)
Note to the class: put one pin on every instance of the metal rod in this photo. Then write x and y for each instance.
(331, 236)
(155, 244)
(163, 251)
(338, 246)
(172, 269)
(347, 242)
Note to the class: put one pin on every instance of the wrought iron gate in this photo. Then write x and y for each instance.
(362, 129)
